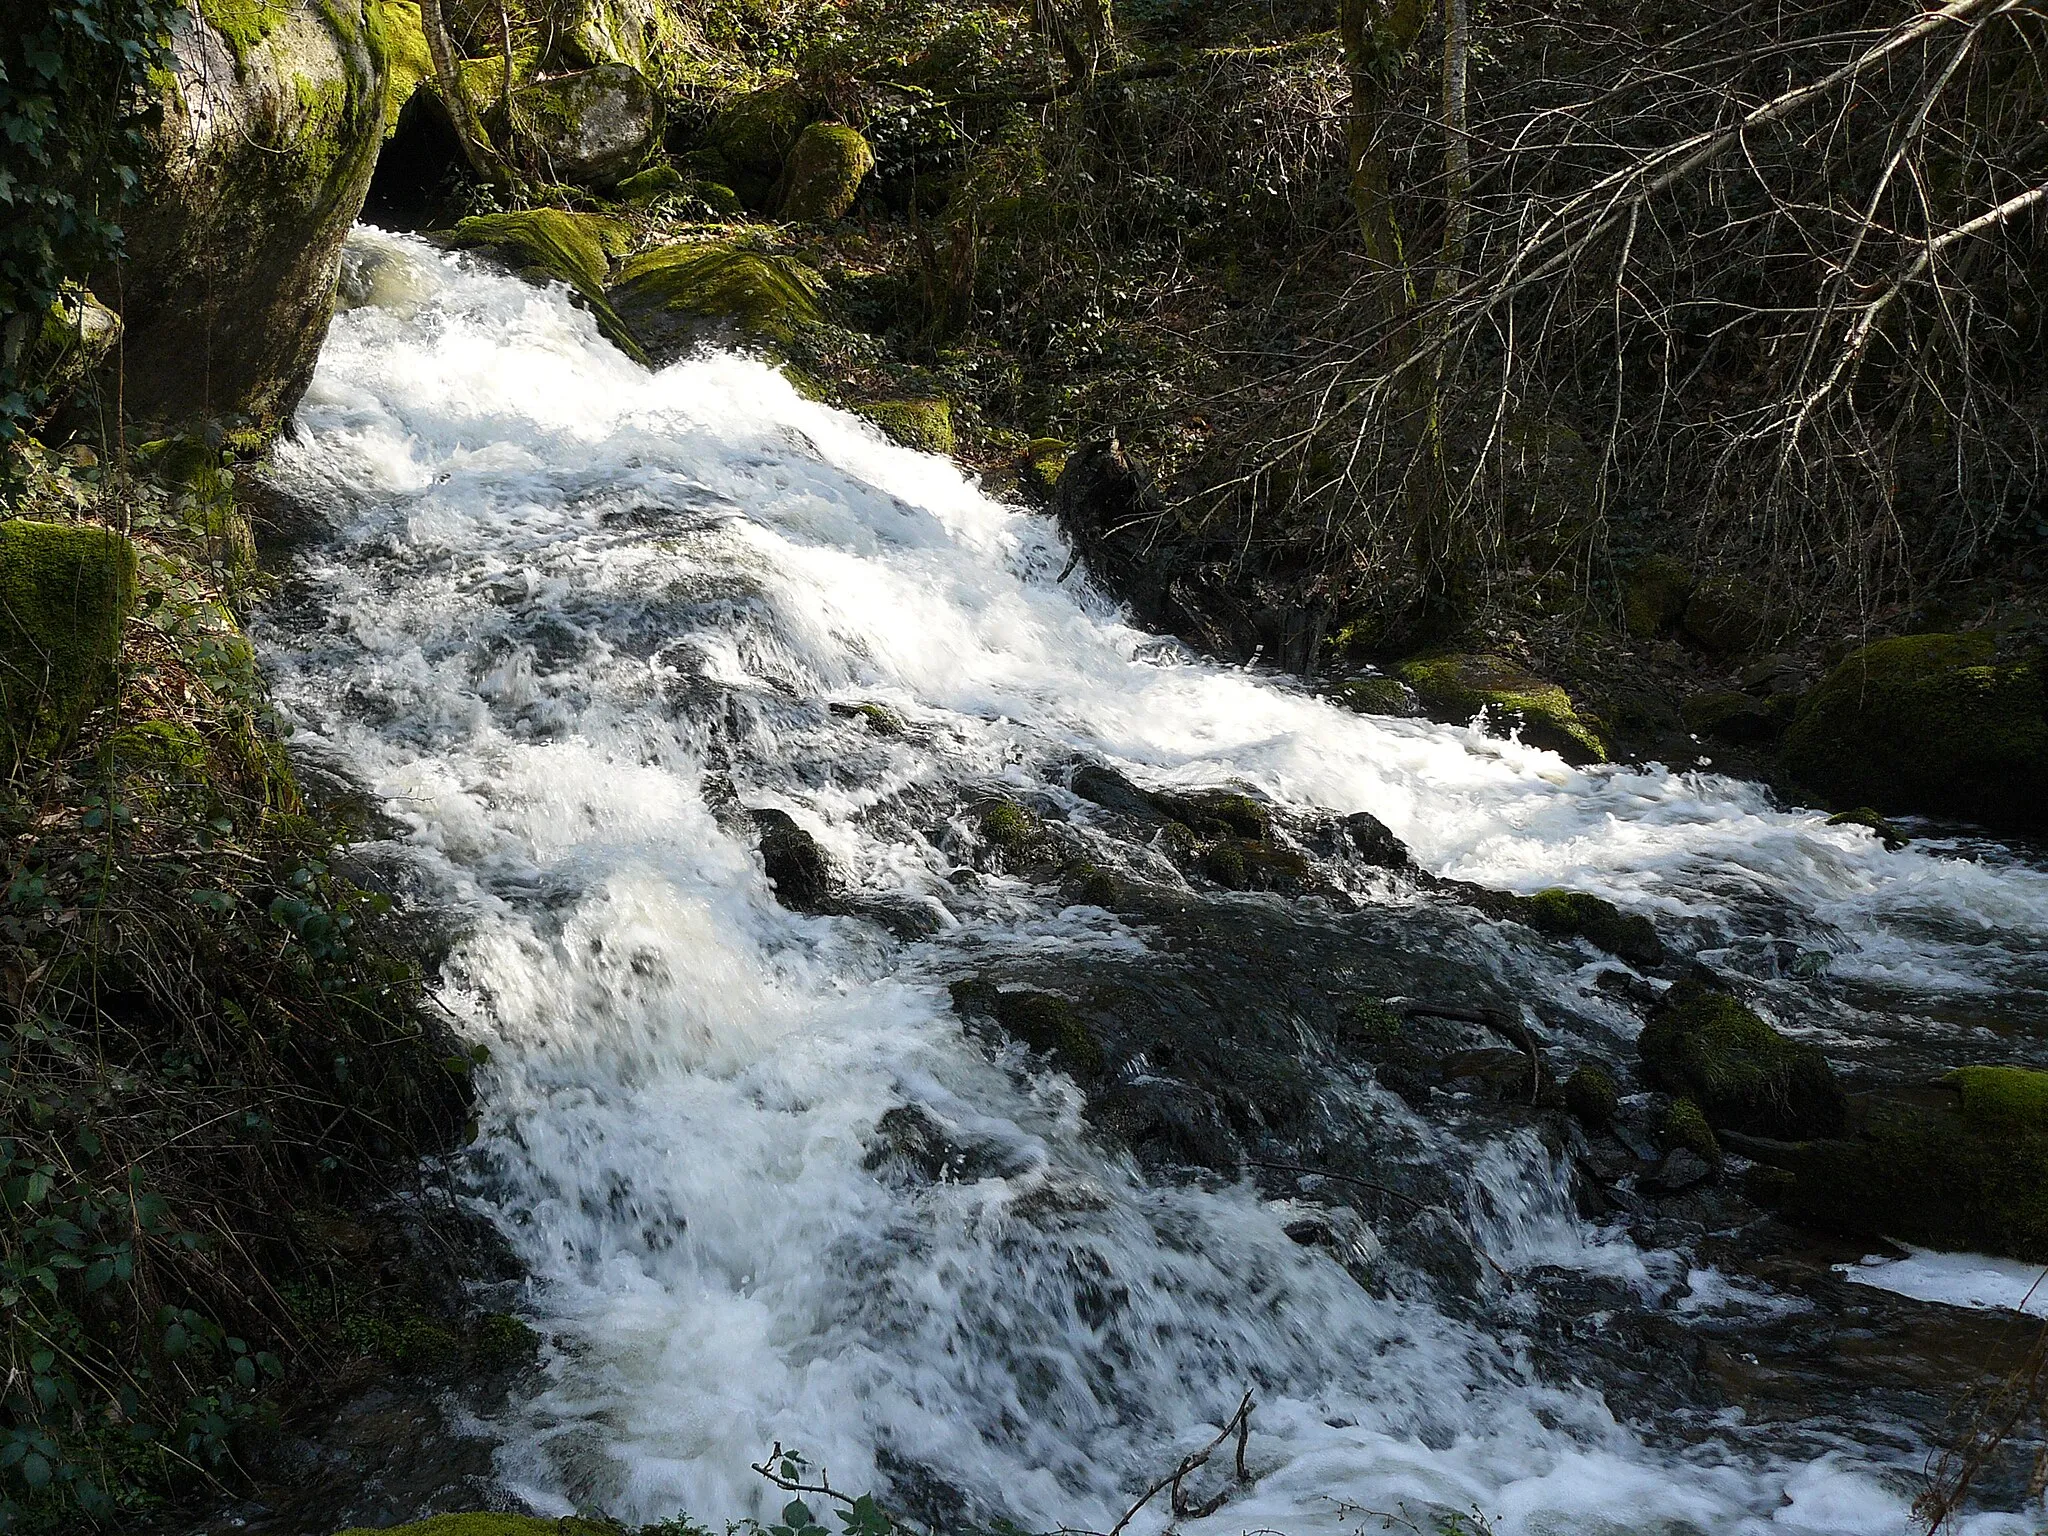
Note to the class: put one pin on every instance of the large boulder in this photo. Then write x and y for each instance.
(65, 592)
(592, 128)
(1942, 724)
(272, 115)
(751, 136)
(824, 171)
(649, 36)
(408, 64)
(1455, 688)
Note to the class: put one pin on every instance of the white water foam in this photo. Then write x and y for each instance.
(1973, 1280)
(570, 607)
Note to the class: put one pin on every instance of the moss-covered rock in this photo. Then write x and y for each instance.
(1004, 825)
(1581, 915)
(1376, 695)
(2001, 1099)
(1455, 688)
(1942, 724)
(1685, 1125)
(926, 425)
(1929, 1176)
(592, 128)
(656, 181)
(1863, 816)
(1217, 812)
(753, 134)
(653, 37)
(1705, 1045)
(679, 295)
(1045, 1021)
(823, 173)
(78, 334)
(548, 245)
(1592, 1097)
(1653, 596)
(65, 591)
(1730, 615)
(272, 114)
(397, 24)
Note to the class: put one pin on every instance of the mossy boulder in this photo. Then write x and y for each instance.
(679, 295)
(272, 112)
(1730, 615)
(77, 335)
(652, 37)
(1942, 724)
(823, 173)
(926, 425)
(397, 23)
(752, 135)
(1654, 594)
(1045, 1021)
(2002, 1099)
(1455, 688)
(592, 128)
(1726, 715)
(549, 245)
(656, 181)
(1582, 915)
(65, 591)
(1705, 1045)
(1684, 1124)
(1927, 1175)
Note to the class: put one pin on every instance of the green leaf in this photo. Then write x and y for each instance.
(35, 1470)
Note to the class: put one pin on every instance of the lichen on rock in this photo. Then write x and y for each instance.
(65, 591)
(1941, 724)
(591, 128)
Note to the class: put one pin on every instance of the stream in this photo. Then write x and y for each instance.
(573, 622)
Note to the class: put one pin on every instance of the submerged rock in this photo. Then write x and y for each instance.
(1454, 688)
(272, 117)
(824, 171)
(592, 128)
(1942, 724)
(1582, 915)
(1705, 1045)
(797, 866)
(65, 593)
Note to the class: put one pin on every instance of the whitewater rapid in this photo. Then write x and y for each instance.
(567, 613)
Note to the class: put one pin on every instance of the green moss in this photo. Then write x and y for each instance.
(754, 133)
(824, 171)
(1241, 864)
(1684, 1125)
(396, 26)
(1006, 826)
(1225, 864)
(243, 23)
(1591, 1095)
(881, 720)
(764, 294)
(1457, 687)
(65, 592)
(1375, 696)
(547, 244)
(1863, 816)
(655, 181)
(1047, 1022)
(1653, 597)
(159, 746)
(1043, 461)
(2002, 1098)
(1926, 1176)
(1217, 812)
(926, 425)
(1582, 915)
(1091, 885)
(1705, 1045)
(1730, 615)
(1934, 723)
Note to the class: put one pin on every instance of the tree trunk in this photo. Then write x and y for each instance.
(1457, 147)
(483, 157)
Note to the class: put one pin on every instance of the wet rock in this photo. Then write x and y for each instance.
(255, 169)
(1736, 718)
(1377, 695)
(909, 1142)
(1375, 843)
(1216, 812)
(547, 245)
(1167, 1125)
(1113, 792)
(1435, 1244)
(797, 866)
(65, 593)
(1863, 816)
(1007, 826)
(1492, 1073)
(677, 296)
(1240, 864)
(1705, 1045)
(1682, 1169)
(1615, 982)
(1945, 1176)
(1455, 688)
(1581, 915)
(592, 128)
(1045, 1021)
(1943, 724)
(822, 176)
(1591, 1096)
(1653, 597)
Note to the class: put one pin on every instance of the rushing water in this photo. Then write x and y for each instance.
(568, 614)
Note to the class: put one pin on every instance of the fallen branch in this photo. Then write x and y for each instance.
(1239, 1423)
